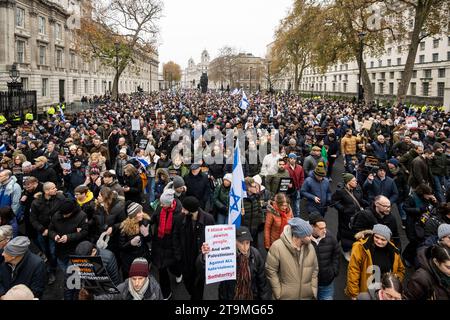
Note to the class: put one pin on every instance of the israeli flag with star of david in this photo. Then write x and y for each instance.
(244, 102)
(238, 190)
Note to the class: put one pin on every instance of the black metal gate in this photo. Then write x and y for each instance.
(14, 104)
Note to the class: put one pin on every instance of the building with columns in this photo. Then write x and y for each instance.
(430, 83)
(38, 36)
(190, 77)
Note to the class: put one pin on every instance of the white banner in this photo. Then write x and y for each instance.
(135, 125)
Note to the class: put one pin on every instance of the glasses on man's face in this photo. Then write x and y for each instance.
(383, 205)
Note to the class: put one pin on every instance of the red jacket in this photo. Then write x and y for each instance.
(297, 175)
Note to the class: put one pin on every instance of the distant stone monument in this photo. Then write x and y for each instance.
(204, 82)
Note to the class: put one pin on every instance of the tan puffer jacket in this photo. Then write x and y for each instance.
(293, 274)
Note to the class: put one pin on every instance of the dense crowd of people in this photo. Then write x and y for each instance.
(106, 182)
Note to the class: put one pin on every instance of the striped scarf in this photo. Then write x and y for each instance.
(243, 289)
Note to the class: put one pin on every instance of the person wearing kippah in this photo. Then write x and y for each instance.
(373, 252)
(134, 236)
(21, 266)
(291, 266)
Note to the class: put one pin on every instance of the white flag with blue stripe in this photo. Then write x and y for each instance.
(238, 190)
(2, 148)
(244, 102)
(62, 114)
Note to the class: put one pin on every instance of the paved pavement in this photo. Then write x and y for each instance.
(55, 292)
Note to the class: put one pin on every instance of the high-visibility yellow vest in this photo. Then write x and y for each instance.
(2, 119)
(51, 111)
(63, 106)
(29, 116)
(16, 118)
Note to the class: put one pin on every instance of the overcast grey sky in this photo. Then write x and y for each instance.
(190, 26)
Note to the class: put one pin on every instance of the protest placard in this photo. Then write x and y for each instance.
(284, 184)
(143, 143)
(411, 123)
(93, 275)
(135, 125)
(367, 124)
(220, 262)
(64, 162)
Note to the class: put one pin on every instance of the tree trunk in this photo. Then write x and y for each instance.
(419, 20)
(116, 83)
(367, 85)
(296, 78)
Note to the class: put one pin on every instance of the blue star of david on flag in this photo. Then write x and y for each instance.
(244, 102)
(237, 191)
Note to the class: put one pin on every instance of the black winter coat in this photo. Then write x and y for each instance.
(346, 208)
(45, 174)
(369, 218)
(110, 263)
(42, 210)
(135, 184)
(425, 283)
(420, 172)
(130, 252)
(253, 214)
(328, 254)
(260, 286)
(30, 272)
(76, 229)
(191, 243)
(102, 221)
(167, 251)
(199, 187)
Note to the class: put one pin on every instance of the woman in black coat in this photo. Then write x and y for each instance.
(134, 237)
(347, 207)
(109, 214)
(166, 246)
(133, 184)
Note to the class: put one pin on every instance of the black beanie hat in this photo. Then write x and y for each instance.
(191, 204)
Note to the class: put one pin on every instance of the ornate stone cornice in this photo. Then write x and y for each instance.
(7, 3)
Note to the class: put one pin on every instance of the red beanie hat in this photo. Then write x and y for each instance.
(139, 268)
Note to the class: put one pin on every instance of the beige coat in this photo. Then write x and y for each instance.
(292, 273)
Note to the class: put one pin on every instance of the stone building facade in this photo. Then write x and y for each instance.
(190, 77)
(37, 35)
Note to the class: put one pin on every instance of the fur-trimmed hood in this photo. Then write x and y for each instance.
(363, 234)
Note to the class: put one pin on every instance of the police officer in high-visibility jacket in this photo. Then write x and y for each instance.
(29, 116)
(51, 111)
(2, 119)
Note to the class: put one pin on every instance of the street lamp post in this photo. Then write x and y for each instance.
(361, 36)
(269, 83)
(250, 79)
(117, 45)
